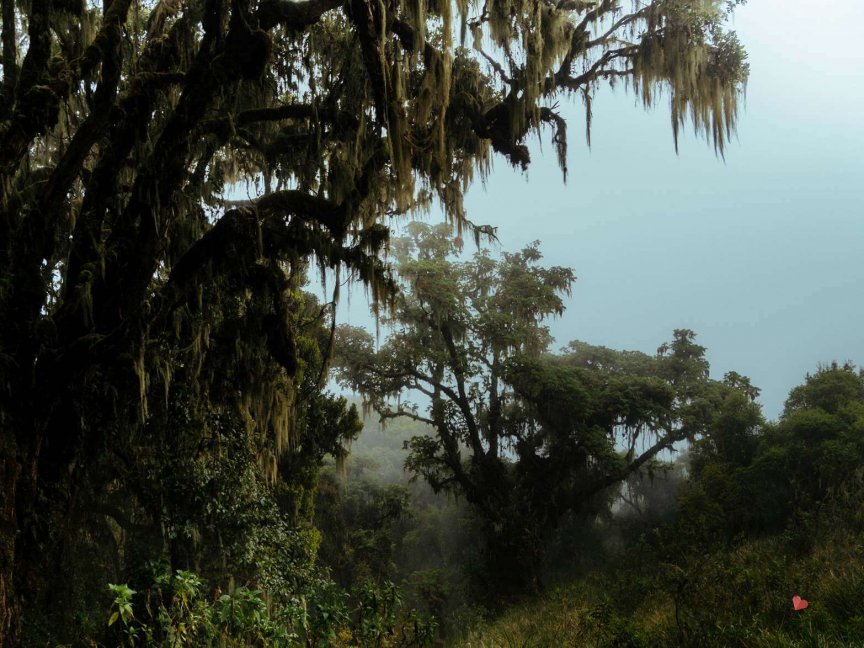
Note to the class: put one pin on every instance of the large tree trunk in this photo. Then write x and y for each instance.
(10, 469)
(25, 411)
(513, 540)
(512, 557)
(512, 533)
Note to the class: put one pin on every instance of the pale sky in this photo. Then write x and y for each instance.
(762, 255)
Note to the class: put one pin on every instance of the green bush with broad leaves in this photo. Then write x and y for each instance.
(179, 610)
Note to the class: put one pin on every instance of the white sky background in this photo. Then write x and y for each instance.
(762, 255)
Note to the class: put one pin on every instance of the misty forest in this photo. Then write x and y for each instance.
(196, 451)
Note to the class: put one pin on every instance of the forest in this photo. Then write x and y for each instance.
(195, 451)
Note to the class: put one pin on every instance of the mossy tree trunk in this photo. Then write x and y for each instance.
(10, 468)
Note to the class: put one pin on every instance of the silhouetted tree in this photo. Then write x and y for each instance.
(526, 437)
(123, 263)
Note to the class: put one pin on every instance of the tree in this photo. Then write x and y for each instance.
(791, 481)
(525, 436)
(124, 127)
(357, 519)
(814, 453)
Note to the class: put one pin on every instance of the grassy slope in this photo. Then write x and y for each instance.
(738, 597)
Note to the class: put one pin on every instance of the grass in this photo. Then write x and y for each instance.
(738, 597)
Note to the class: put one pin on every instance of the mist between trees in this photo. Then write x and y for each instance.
(164, 416)
(637, 479)
(634, 490)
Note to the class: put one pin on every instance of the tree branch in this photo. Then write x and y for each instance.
(295, 15)
(625, 20)
(88, 132)
(462, 401)
(41, 87)
(239, 234)
(153, 197)
(493, 125)
(392, 414)
(222, 126)
(10, 59)
(120, 518)
(633, 466)
(129, 125)
(36, 106)
(564, 80)
(335, 217)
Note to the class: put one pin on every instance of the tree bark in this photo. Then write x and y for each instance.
(10, 469)
(512, 559)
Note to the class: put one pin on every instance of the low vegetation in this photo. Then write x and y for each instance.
(767, 513)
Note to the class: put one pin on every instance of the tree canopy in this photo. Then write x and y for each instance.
(524, 435)
(131, 279)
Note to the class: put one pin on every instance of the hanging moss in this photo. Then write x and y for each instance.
(134, 286)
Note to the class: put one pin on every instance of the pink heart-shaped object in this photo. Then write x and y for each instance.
(798, 603)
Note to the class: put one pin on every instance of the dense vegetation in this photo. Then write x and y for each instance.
(175, 468)
(769, 511)
(543, 435)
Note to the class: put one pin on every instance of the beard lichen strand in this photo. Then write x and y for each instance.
(703, 78)
(164, 367)
(444, 89)
(557, 37)
(265, 403)
(196, 350)
(282, 417)
(429, 104)
(417, 13)
(500, 22)
(140, 368)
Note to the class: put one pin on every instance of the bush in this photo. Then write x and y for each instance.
(176, 613)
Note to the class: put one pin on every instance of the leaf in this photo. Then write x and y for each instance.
(113, 619)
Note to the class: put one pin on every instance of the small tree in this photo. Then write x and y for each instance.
(526, 437)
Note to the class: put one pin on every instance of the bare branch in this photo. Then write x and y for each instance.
(403, 413)
(664, 443)
(626, 20)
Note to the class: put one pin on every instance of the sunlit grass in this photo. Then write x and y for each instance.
(545, 622)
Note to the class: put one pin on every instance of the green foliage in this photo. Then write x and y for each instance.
(357, 519)
(769, 511)
(121, 609)
(378, 525)
(833, 388)
(733, 596)
(175, 612)
(151, 325)
(755, 477)
(525, 436)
